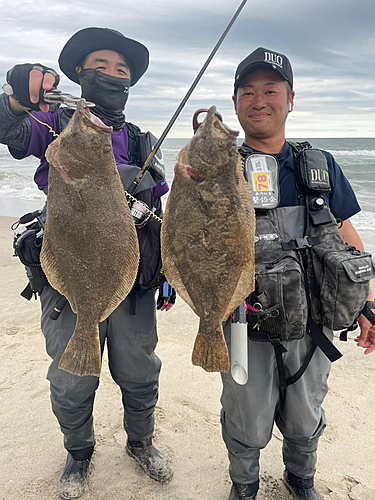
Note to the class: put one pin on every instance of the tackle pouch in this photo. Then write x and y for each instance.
(343, 281)
(27, 244)
(150, 271)
(280, 298)
(312, 172)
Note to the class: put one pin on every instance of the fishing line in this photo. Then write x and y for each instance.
(50, 129)
(145, 167)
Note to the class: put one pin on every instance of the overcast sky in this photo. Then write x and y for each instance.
(330, 43)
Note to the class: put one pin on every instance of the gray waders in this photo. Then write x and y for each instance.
(249, 411)
(131, 340)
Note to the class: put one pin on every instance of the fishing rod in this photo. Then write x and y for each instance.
(145, 167)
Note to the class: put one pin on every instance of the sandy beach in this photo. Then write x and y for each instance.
(187, 417)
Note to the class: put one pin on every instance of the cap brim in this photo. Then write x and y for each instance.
(90, 40)
(253, 67)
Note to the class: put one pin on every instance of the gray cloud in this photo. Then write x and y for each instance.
(329, 42)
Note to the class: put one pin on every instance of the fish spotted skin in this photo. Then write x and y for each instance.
(90, 248)
(207, 236)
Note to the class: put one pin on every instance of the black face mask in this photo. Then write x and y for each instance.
(109, 93)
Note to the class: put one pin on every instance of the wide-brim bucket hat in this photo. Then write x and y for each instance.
(90, 40)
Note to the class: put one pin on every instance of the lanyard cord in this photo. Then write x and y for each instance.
(51, 131)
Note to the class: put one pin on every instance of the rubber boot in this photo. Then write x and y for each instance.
(244, 491)
(150, 459)
(301, 489)
(73, 478)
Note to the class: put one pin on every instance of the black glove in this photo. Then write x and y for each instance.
(18, 79)
(171, 299)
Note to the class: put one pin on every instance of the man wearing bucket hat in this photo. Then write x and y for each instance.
(289, 351)
(105, 64)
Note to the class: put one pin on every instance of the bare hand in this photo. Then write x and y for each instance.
(167, 306)
(367, 337)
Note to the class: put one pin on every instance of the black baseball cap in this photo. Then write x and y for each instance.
(90, 40)
(260, 58)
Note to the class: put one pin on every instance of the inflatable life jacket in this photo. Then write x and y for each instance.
(306, 276)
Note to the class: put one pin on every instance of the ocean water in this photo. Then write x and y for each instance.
(356, 157)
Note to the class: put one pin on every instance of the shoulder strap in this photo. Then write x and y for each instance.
(244, 150)
(133, 134)
(63, 119)
(297, 147)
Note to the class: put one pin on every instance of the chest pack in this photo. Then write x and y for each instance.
(306, 276)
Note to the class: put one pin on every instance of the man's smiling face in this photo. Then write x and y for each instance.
(262, 104)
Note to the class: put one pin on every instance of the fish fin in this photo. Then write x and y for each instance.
(211, 355)
(129, 272)
(119, 295)
(244, 287)
(245, 283)
(49, 263)
(174, 278)
(82, 355)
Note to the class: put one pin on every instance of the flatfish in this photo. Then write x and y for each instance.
(90, 250)
(207, 236)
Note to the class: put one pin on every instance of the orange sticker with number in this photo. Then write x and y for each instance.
(260, 180)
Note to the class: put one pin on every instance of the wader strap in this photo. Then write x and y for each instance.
(27, 292)
(279, 351)
(301, 371)
(60, 304)
(322, 341)
(132, 303)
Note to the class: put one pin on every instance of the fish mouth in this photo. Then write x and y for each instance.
(84, 111)
(222, 127)
(213, 122)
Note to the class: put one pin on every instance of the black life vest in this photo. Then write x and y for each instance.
(307, 282)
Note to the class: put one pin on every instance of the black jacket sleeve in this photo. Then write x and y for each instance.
(15, 131)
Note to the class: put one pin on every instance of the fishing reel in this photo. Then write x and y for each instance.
(141, 213)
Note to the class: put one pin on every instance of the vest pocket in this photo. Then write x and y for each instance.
(280, 295)
(343, 281)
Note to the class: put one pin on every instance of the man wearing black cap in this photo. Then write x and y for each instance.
(287, 379)
(105, 64)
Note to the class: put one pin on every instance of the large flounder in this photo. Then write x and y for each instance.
(208, 236)
(90, 248)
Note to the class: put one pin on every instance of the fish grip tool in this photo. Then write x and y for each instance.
(145, 167)
(56, 97)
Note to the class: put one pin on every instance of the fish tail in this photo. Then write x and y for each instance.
(82, 355)
(210, 351)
